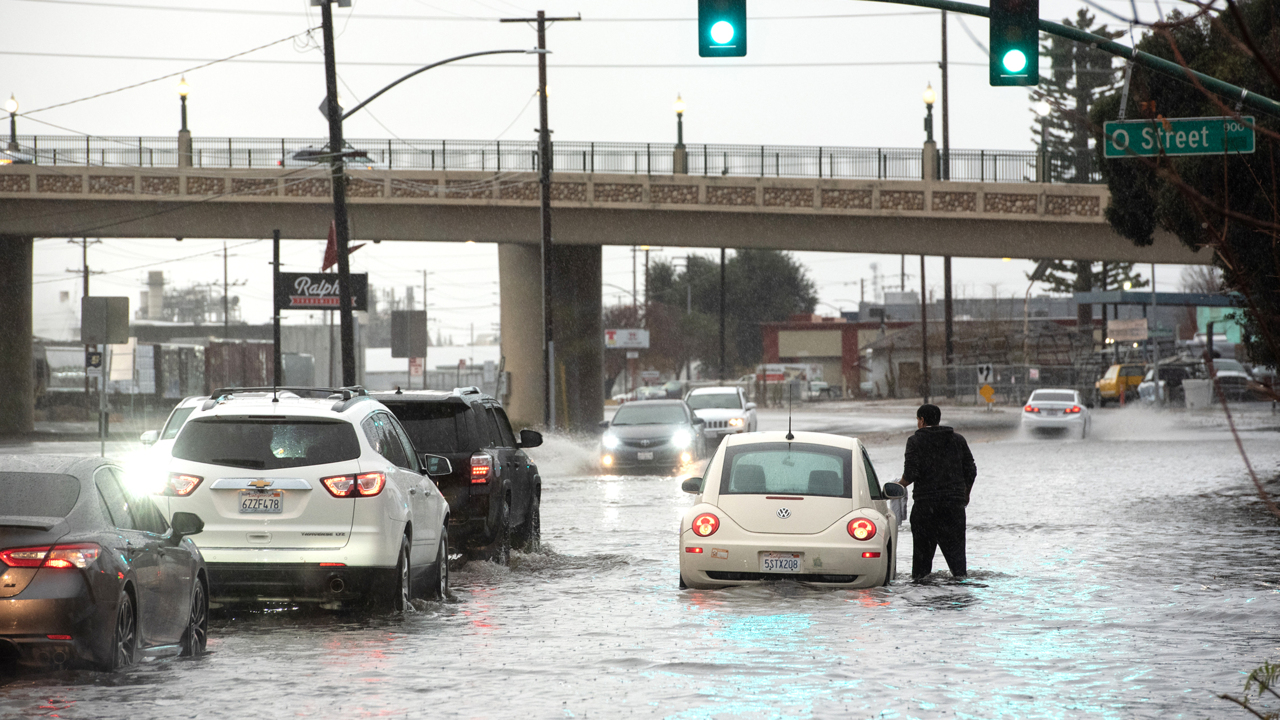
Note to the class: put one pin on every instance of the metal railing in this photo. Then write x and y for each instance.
(501, 156)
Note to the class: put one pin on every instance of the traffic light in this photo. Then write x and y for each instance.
(722, 28)
(1015, 42)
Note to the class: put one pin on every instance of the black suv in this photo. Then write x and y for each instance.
(494, 490)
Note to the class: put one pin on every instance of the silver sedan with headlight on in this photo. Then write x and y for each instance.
(651, 435)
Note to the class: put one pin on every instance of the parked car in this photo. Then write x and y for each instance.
(494, 490)
(318, 497)
(803, 506)
(654, 435)
(1232, 378)
(1170, 385)
(91, 572)
(820, 390)
(1057, 409)
(1118, 381)
(723, 411)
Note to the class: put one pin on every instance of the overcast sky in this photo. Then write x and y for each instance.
(819, 72)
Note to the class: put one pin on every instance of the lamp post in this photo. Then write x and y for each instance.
(680, 158)
(930, 97)
(12, 106)
(1042, 109)
(930, 159)
(184, 135)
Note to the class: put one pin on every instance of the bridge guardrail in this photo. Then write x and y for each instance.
(499, 156)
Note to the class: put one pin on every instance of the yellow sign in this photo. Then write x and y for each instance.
(987, 393)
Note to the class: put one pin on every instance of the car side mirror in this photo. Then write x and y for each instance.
(698, 421)
(149, 437)
(893, 490)
(183, 524)
(530, 438)
(750, 406)
(604, 425)
(692, 485)
(434, 466)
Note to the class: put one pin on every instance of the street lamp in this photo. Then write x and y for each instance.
(183, 89)
(679, 121)
(930, 97)
(680, 158)
(12, 106)
(1043, 109)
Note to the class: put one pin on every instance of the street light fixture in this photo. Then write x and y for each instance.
(12, 106)
(680, 158)
(930, 97)
(183, 89)
(1043, 109)
(679, 121)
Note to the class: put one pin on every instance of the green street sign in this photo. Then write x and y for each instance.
(1178, 136)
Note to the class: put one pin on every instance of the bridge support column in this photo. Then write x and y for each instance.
(17, 391)
(520, 313)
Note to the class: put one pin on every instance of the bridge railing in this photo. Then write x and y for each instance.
(501, 156)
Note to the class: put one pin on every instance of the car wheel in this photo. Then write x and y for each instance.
(196, 636)
(502, 543)
(397, 595)
(888, 565)
(530, 536)
(440, 575)
(124, 643)
(683, 586)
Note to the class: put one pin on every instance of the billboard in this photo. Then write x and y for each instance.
(626, 339)
(319, 291)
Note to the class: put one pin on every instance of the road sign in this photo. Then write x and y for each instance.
(104, 320)
(1127, 330)
(626, 339)
(415, 367)
(985, 373)
(93, 362)
(650, 374)
(1178, 136)
(633, 354)
(408, 333)
(987, 393)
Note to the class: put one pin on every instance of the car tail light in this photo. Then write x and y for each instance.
(705, 525)
(181, 484)
(1073, 409)
(59, 556)
(1031, 408)
(694, 550)
(481, 468)
(340, 485)
(58, 637)
(371, 483)
(861, 529)
(870, 554)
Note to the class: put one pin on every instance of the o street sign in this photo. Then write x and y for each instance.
(1178, 136)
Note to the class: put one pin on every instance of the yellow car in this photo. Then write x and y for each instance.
(1119, 380)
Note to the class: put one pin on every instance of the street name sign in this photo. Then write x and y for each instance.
(1178, 136)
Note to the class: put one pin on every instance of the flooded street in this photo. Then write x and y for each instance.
(1131, 575)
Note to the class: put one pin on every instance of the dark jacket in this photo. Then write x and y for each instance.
(939, 465)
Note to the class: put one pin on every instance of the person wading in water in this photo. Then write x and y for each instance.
(939, 464)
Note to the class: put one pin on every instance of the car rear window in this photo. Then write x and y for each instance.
(433, 427)
(28, 494)
(788, 469)
(267, 443)
(718, 401)
(176, 420)
(1043, 396)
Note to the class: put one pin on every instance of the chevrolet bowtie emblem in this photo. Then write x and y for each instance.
(260, 484)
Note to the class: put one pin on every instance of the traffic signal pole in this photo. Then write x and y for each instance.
(1248, 99)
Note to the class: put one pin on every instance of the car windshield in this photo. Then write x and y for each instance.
(718, 401)
(1222, 365)
(267, 443)
(30, 494)
(787, 469)
(433, 427)
(1052, 396)
(176, 420)
(649, 415)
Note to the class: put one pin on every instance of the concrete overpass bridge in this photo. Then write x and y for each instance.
(781, 197)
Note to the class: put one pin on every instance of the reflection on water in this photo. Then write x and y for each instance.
(1109, 579)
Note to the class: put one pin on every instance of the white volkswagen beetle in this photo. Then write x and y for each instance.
(804, 506)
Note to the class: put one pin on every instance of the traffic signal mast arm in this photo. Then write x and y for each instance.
(1252, 100)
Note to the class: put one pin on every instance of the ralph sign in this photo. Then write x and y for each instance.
(319, 291)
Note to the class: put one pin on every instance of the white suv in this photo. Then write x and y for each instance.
(310, 495)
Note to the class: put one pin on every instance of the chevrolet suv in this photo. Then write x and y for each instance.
(494, 490)
(310, 495)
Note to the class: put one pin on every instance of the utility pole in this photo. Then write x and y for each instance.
(425, 348)
(946, 107)
(722, 367)
(84, 265)
(948, 311)
(544, 181)
(226, 308)
(924, 335)
(278, 359)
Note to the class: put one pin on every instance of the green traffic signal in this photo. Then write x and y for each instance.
(1015, 42)
(1014, 61)
(722, 28)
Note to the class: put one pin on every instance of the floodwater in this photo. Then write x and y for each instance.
(1130, 575)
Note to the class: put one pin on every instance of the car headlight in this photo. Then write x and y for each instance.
(609, 441)
(681, 439)
(736, 422)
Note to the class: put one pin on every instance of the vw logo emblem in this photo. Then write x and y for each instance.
(783, 513)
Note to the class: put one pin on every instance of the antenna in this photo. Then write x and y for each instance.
(789, 435)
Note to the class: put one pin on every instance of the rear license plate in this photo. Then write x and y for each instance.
(253, 501)
(772, 562)
(644, 455)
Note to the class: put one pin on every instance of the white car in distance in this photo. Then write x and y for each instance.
(725, 410)
(801, 506)
(1058, 410)
(319, 499)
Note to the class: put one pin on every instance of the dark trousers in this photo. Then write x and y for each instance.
(934, 525)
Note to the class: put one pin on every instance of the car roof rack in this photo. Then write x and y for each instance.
(344, 395)
(468, 390)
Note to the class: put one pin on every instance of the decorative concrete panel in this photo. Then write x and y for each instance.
(111, 184)
(197, 185)
(159, 185)
(901, 200)
(59, 184)
(847, 199)
(15, 183)
(717, 195)
(255, 186)
(307, 187)
(1010, 204)
(674, 194)
(1063, 205)
(527, 191)
(788, 197)
(359, 187)
(619, 192)
(469, 190)
(570, 191)
(414, 189)
(955, 201)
